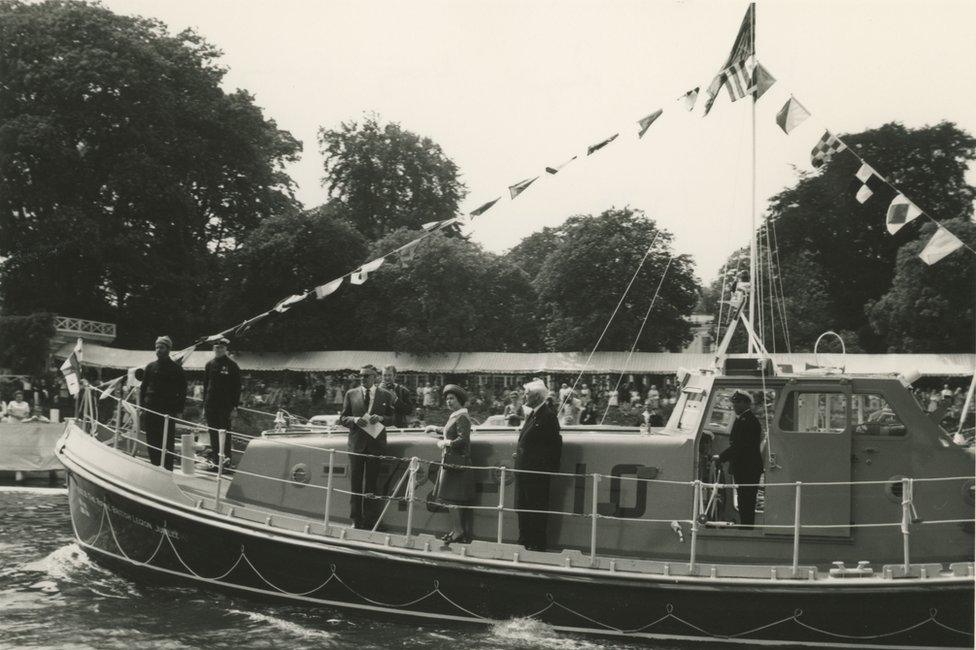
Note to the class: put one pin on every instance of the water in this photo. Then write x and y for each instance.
(53, 595)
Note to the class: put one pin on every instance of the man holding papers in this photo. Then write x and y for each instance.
(366, 411)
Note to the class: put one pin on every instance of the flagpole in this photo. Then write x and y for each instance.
(752, 238)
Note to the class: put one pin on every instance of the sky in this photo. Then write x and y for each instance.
(508, 87)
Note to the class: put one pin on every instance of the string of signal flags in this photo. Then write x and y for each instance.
(742, 75)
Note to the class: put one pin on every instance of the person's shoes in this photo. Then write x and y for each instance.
(451, 537)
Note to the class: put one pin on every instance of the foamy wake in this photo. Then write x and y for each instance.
(69, 564)
(63, 563)
(294, 629)
(531, 633)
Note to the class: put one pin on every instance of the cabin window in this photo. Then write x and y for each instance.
(721, 416)
(814, 412)
(873, 416)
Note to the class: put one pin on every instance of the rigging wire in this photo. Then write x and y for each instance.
(606, 327)
(782, 293)
(639, 332)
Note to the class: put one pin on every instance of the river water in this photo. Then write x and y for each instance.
(53, 595)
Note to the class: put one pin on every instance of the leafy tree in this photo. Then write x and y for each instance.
(386, 177)
(24, 342)
(848, 241)
(530, 253)
(451, 296)
(584, 276)
(289, 254)
(124, 167)
(929, 308)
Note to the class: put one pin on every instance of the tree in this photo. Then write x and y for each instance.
(386, 177)
(530, 253)
(452, 296)
(929, 308)
(24, 343)
(847, 240)
(584, 276)
(289, 254)
(125, 169)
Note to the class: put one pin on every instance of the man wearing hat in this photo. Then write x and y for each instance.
(221, 395)
(163, 391)
(539, 448)
(744, 457)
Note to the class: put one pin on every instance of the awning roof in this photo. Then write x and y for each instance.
(518, 363)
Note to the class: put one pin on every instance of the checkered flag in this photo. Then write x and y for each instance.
(825, 149)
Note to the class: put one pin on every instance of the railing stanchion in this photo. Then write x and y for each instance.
(796, 531)
(328, 489)
(695, 508)
(414, 465)
(594, 516)
(220, 466)
(162, 454)
(501, 504)
(906, 518)
(118, 416)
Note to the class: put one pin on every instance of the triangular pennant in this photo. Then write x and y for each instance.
(181, 356)
(593, 148)
(483, 208)
(360, 275)
(942, 243)
(792, 115)
(105, 390)
(900, 212)
(328, 288)
(521, 186)
(557, 168)
(762, 81)
(408, 251)
(689, 98)
(646, 122)
(287, 303)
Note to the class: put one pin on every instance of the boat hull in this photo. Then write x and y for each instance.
(166, 541)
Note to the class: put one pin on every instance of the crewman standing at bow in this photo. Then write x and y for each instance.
(163, 392)
(221, 395)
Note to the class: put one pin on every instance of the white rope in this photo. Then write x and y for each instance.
(639, 332)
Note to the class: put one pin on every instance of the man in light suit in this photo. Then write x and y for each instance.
(539, 448)
(364, 405)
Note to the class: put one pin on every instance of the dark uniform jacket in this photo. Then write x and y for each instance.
(163, 387)
(539, 444)
(221, 384)
(403, 406)
(355, 404)
(743, 454)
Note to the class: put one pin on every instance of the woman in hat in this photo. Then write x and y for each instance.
(456, 484)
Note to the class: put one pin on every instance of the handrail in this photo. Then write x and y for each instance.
(908, 518)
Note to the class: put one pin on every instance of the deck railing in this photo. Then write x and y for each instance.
(408, 483)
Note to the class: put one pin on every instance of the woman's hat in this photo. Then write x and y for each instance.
(457, 391)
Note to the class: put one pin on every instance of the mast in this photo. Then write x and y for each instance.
(752, 210)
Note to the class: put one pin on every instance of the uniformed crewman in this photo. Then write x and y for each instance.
(163, 392)
(403, 406)
(744, 456)
(221, 395)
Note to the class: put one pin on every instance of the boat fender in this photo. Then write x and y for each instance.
(676, 527)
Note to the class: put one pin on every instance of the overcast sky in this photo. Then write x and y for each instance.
(507, 87)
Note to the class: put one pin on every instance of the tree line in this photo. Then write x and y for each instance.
(134, 189)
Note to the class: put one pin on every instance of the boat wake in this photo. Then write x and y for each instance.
(69, 564)
(530, 633)
(288, 627)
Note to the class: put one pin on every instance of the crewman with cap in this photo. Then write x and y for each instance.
(221, 395)
(163, 392)
(744, 456)
(539, 449)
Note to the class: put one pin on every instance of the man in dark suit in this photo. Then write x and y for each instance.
(539, 448)
(163, 390)
(744, 457)
(365, 405)
(221, 395)
(403, 406)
